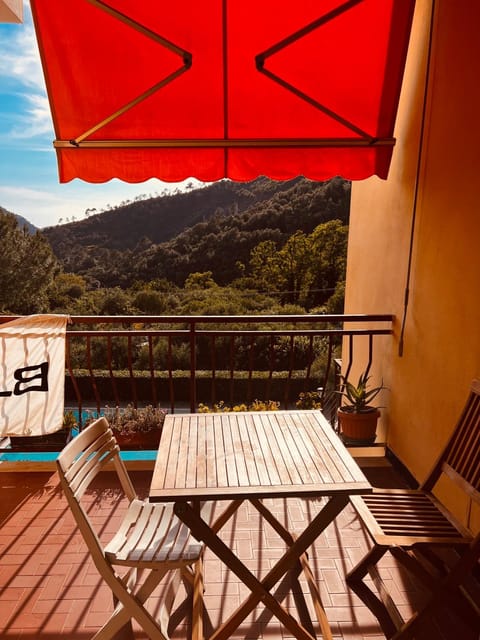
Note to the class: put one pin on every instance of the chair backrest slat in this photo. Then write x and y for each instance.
(463, 452)
(78, 465)
(84, 475)
(88, 463)
(460, 460)
(79, 443)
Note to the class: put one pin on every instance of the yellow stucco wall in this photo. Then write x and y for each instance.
(429, 383)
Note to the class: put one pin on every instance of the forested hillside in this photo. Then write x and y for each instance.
(210, 229)
(262, 248)
(160, 218)
(228, 248)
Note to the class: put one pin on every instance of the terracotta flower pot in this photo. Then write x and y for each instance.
(358, 427)
(139, 439)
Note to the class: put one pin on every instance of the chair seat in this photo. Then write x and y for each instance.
(419, 532)
(410, 517)
(151, 543)
(151, 533)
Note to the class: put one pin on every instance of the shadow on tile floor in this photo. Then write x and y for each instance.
(50, 590)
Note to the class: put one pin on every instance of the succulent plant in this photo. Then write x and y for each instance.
(358, 397)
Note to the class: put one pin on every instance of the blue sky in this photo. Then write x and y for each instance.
(29, 183)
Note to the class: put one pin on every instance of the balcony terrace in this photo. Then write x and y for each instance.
(49, 588)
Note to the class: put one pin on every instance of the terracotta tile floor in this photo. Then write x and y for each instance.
(49, 588)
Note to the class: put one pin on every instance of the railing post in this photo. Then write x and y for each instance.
(193, 368)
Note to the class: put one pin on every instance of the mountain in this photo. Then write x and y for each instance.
(22, 222)
(210, 229)
(162, 218)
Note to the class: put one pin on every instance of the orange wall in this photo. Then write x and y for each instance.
(429, 383)
(11, 11)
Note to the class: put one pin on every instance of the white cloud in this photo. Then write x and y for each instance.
(25, 193)
(24, 200)
(44, 208)
(20, 59)
(21, 73)
(36, 121)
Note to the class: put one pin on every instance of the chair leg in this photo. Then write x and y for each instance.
(131, 606)
(449, 609)
(193, 605)
(408, 559)
(387, 616)
(360, 570)
(126, 632)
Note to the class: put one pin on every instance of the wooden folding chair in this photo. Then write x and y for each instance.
(151, 543)
(423, 536)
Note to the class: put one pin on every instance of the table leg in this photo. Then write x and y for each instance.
(273, 521)
(226, 514)
(304, 564)
(317, 601)
(261, 589)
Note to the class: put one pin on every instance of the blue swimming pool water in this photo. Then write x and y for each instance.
(51, 456)
(85, 414)
(47, 456)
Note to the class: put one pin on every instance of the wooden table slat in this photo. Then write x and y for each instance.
(268, 454)
(314, 471)
(294, 459)
(347, 466)
(200, 466)
(253, 453)
(252, 477)
(210, 452)
(258, 456)
(328, 466)
(232, 460)
(280, 452)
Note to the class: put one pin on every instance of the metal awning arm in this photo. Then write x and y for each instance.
(185, 55)
(265, 143)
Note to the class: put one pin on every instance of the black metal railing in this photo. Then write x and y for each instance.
(180, 362)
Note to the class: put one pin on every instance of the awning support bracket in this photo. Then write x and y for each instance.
(289, 40)
(185, 55)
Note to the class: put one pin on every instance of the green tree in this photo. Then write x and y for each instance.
(200, 280)
(307, 269)
(65, 291)
(294, 260)
(329, 260)
(150, 302)
(27, 268)
(265, 265)
(115, 303)
(336, 303)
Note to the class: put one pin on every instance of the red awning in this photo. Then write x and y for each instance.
(223, 88)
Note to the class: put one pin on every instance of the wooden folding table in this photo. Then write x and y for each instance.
(251, 456)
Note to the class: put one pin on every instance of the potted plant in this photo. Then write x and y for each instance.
(358, 418)
(135, 428)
